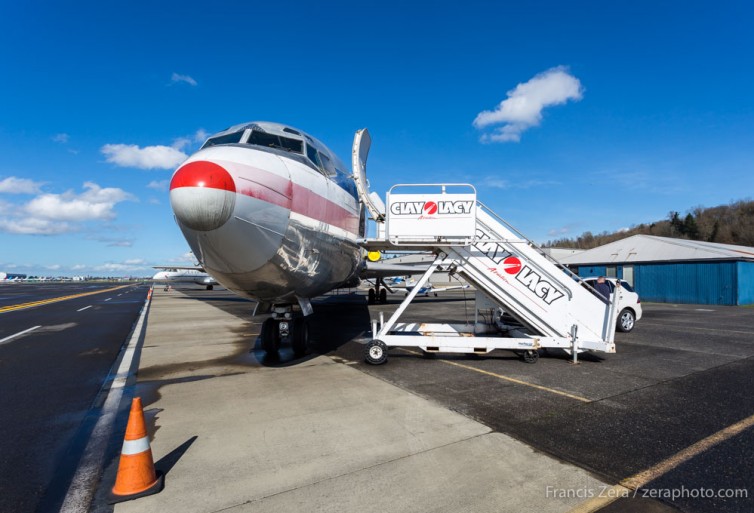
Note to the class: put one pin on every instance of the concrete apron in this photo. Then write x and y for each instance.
(316, 436)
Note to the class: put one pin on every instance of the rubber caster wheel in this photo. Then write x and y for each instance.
(530, 356)
(375, 352)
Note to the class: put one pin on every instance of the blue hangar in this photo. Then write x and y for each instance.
(669, 270)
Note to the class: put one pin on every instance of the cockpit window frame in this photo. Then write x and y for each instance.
(291, 147)
(328, 167)
(224, 138)
(313, 155)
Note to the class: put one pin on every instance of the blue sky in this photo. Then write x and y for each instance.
(631, 109)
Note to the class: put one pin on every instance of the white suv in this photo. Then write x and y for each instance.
(630, 304)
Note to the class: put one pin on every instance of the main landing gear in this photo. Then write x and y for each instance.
(283, 325)
(378, 293)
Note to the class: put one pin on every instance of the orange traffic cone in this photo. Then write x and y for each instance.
(136, 473)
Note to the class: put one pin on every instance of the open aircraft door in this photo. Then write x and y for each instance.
(362, 141)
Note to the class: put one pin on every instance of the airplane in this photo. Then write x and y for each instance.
(275, 216)
(195, 275)
(428, 289)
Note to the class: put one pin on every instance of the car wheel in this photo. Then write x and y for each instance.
(626, 320)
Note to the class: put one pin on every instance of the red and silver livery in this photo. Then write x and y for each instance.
(270, 212)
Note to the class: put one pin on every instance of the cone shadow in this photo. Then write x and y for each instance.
(167, 462)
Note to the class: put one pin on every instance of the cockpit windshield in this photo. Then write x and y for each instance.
(233, 138)
(276, 141)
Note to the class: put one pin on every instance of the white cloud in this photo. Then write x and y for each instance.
(494, 182)
(111, 241)
(149, 157)
(159, 185)
(125, 243)
(50, 214)
(135, 261)
(558, 231)
(119, 267)
(201, 135)
(176, 77)
(563, 230)
(95, 203)
(182, 142)
(61, 138)
(32, 226)
(78, 267)
(186, 257)
(13, 185)
(523, 107)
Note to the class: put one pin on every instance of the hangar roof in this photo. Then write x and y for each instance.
(649, 248)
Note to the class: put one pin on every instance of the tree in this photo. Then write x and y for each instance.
(690, 229)
(727, 224)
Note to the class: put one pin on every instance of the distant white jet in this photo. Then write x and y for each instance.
(197, 275)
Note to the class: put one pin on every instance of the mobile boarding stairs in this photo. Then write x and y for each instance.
(513, 278)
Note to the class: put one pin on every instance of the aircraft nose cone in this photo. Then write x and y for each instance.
(203, 195)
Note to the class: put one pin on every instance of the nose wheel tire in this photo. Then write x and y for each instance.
(383, 296)
(270, 336)
(375, 352)
(300, 336)
(371, 297)
(626, 320)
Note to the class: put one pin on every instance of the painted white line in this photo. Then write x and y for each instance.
(120, 295)
(80, 493)
(108, 299)
(8, 339)
(82, 309)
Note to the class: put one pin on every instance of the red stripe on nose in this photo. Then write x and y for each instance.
(202, 173)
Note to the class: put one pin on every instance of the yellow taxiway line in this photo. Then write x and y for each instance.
(507, 378)
(12, 308)
(628, 486)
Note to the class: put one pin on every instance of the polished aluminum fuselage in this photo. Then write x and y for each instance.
(290, 231)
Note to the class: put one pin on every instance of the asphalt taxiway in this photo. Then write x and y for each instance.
(669, 414)
(650, 428)
(57, 345)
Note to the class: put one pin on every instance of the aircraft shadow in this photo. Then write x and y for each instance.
(335, 322)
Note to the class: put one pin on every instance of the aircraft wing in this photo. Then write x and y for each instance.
(179, 268)
(384, 270)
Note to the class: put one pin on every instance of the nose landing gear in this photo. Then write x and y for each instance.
(282, 325)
